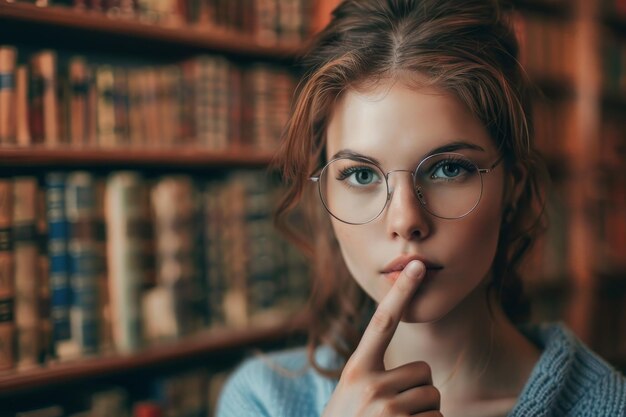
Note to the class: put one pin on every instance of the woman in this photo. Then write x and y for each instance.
(412, 126)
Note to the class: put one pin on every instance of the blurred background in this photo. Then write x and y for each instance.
(138, 261)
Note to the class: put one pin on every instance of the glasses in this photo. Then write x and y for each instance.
(355, 190)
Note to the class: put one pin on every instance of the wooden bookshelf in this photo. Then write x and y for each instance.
(181, 157)
(68, 23)
(201, 344)
(130, 43)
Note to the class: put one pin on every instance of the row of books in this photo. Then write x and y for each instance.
(91, 265)
(268, 21)
(614, 72)
(547, 46)
(190, 393)
(206, 101)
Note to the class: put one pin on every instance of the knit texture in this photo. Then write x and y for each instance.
(568, 381)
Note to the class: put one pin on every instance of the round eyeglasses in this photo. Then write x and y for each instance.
(355, 190)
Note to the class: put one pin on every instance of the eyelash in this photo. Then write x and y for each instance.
(458, 161)
(346, 172)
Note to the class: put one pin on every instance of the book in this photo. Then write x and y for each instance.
(43, 263)
(127, 219)
(8, 57)
(22, 129)
(100, 237)
(174, 204)
(79, 117)
(107, 136)
(26, 249)
(84, 262)
(7, 283)
(44, 65)
(58, 238)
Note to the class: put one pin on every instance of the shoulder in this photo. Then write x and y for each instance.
(275, 385)
(570, 379)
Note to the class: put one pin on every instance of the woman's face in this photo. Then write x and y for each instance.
(399, 126)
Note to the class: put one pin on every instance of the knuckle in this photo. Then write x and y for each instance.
(372, 390)
(422, 368)
(389, 408)
(432, 395)
(382, 320)
(351, 371)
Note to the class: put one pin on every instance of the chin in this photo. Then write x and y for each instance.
(415, 315)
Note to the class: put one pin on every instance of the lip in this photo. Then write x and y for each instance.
(402, 261)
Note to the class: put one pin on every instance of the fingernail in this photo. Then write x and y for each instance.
(414, 269)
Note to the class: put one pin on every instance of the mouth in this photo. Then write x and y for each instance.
(393, 270)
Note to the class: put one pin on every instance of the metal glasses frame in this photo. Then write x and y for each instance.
(420, 197)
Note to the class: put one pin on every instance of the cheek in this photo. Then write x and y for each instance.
(356, 244)
(477, 238)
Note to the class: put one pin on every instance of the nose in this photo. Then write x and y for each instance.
(405, 216)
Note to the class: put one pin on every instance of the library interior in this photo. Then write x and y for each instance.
(117, 299)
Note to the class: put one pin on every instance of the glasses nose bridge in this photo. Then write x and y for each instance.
(389, 185)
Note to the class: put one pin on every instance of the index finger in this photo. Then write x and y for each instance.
(371, 349)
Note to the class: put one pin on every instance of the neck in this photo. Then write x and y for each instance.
(469, 351)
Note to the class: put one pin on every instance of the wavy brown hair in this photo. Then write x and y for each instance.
(464, 47)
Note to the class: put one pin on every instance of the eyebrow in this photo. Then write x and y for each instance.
(449, 147)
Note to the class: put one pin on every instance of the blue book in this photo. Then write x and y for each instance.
(61, 291)
(84, 261)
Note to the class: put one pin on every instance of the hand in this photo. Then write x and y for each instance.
(365, 388)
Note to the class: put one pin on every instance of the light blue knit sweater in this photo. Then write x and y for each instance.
(568, 380)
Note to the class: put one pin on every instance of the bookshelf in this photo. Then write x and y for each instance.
(201, 344)
(183, 165)
(188, 157)
(67, 22)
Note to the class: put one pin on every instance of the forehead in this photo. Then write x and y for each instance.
(395, 122)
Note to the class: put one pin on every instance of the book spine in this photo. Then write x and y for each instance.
(121, 106)
(100, 239)
(154, 134)
(61, 292)
(214, 275)
(221, 103)
(21, 106)
(84, 261)
(174, 205)
(106, 107)
(8, 57)
(7, 284)
(63, 100)
(35, 104)
(45, 319)
(127, 211)
(79, 88)
(47, 70)
(26, 272)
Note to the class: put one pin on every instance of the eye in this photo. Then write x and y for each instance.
(450, 169)
(359, 176)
